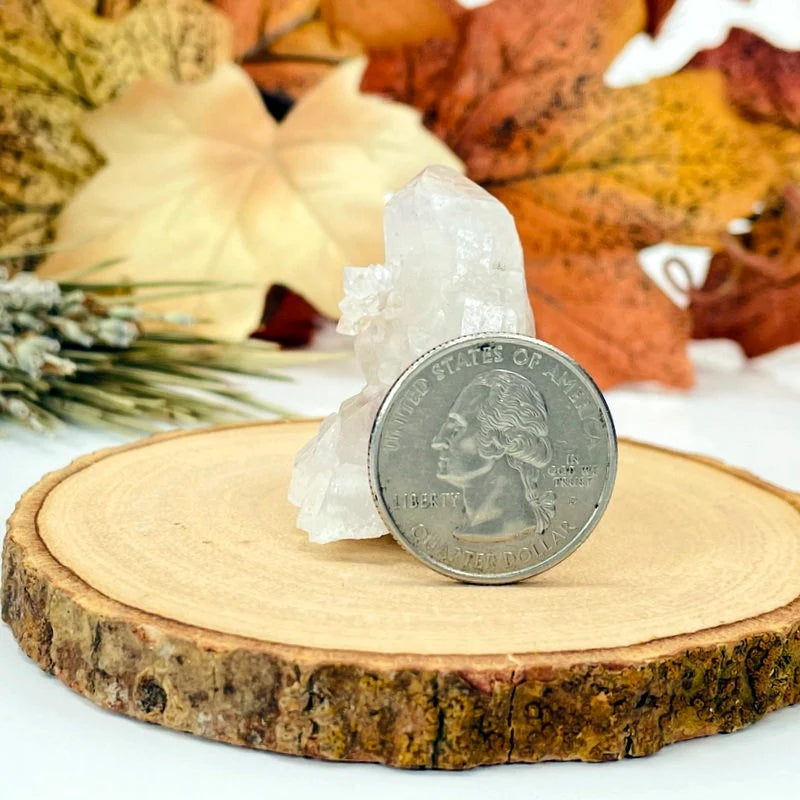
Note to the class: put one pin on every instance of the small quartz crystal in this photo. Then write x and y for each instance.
(453, 266)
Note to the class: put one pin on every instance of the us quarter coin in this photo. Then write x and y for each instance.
(492, 457)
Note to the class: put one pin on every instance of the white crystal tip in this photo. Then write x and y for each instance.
(439, 180)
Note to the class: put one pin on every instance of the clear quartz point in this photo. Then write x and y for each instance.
(453, 266)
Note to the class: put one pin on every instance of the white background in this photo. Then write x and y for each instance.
(54, 743)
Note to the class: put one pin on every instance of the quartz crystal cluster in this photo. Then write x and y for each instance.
(453, 266)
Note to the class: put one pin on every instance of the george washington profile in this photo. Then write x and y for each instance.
(492, 446)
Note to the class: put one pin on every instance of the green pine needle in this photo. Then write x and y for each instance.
(79, 353)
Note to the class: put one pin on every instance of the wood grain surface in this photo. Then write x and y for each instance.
(166, 580)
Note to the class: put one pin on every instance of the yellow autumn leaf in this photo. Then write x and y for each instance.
(387, 23)
(288, 46)
(279, 16)
(784, 143)
(59, 60)
(312, 42)
(664, 160)
(373, 23)
(201, 183)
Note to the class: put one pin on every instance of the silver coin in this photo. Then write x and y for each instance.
(492, 457)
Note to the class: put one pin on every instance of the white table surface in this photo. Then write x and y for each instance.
(54, 743)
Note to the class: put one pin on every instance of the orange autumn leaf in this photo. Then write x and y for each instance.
(289, 45)
(586, 319)
(254, 20)
(763, 83)
(387, 23)
(657, 12)
(313, 40)
(591, 174)
(301, 58)
(763, 80)
(246, 21)
(663, 160)
(752, 291)
(288, 80)
(288, 318)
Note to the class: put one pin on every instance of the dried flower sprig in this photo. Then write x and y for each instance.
(70, 353)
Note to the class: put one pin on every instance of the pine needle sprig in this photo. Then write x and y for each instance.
(79, 352)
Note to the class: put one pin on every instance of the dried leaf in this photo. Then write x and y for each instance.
(288, 319)
(287, 80)
(512, 61)
(282, 16)
(387, 23)
(312, 42)
(591, 174)
(589, 295)
(663, 160)
(763, 80)
(60, 60)
(300, 59)
(111, 9)
(289, 45)
(247, 19)
(764, 85)
(657, 12)
(752, 291)
(202, 183)
(784, 144)
(258, 23)
(621, 327)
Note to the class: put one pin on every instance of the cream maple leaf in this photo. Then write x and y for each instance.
(201, 183)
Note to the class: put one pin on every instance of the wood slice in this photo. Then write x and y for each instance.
(165, 580)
